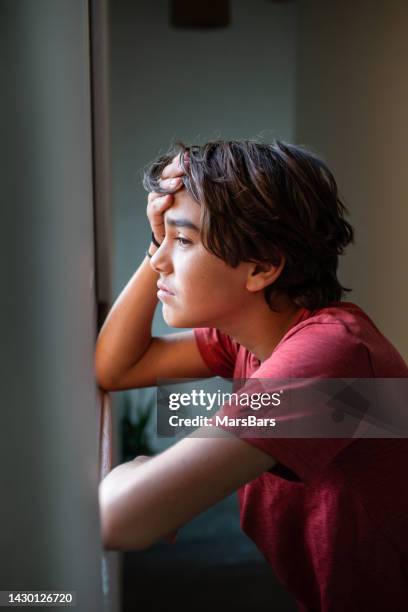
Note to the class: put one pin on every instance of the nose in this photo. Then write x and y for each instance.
(160, 260)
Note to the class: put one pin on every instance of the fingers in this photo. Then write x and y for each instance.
(171, 184)
(174, 169)
(171, 180)
(158, 201)
(157, 205)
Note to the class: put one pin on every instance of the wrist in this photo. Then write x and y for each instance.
(151, 250)
(154, 245)
(155, 241)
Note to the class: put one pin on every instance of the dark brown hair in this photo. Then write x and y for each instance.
(260, 201)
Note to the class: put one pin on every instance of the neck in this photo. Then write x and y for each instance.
(259, 329)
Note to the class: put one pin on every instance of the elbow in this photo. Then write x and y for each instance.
(108, 536)
(100, 372)
(118, 543)
(103, 376)
(105, 385)
(111, 542)
(103, 368)
(117, 540)
(115, 534)
(107, 542)
(106, 527)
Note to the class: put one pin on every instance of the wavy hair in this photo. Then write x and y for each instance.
(262, 201)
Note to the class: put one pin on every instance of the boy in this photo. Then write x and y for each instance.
(245, 244)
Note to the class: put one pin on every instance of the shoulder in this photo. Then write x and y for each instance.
(343, 317)
(218, 350)
(326, 343)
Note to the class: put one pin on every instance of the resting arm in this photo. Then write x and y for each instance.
(141, 503)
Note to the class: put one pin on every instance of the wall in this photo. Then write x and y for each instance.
(50, 535)
(351, 107)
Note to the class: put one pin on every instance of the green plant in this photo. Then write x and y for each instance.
(134, 432)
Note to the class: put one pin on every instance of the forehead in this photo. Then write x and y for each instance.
(185, 207)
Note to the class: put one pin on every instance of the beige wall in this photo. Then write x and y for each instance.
(352, 107)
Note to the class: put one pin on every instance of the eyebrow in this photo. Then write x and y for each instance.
(182, 222)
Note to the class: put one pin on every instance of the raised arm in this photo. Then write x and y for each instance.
(126, 355)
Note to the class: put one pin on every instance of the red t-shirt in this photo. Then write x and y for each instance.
(331, 516)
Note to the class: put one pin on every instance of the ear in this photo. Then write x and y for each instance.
(260, 275)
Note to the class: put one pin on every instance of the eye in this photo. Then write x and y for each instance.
(182, 241)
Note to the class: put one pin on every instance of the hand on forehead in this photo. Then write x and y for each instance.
(174, 168)
(170, 179)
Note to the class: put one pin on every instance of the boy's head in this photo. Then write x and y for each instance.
(264, 202)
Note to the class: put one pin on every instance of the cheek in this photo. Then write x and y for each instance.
(211, 283)
(207, 291)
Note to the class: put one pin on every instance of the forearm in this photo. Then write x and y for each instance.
(122, 506)
(126, 332)
(111, 491)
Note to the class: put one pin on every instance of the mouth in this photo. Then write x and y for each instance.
(164, 295)
(164, 291)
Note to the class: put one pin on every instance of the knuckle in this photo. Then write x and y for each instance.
(173, 169)
(172, 183)
(151, 196)
(165, 183)
(157, 204)
(167, 171)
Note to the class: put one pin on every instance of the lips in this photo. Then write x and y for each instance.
(164, 287)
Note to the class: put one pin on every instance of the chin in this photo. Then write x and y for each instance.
(172, 319)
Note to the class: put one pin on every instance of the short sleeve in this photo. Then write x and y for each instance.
(315, 352)
(218, 350)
